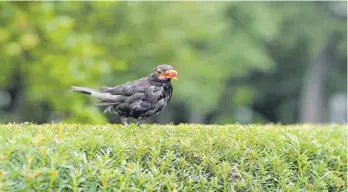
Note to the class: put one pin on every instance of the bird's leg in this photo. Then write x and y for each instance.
(124, 121)
(139, 122)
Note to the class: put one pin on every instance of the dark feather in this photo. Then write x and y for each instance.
(138, 99)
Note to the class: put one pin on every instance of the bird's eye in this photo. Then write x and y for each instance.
(159, 72)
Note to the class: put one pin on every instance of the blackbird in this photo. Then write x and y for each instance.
(138, 99)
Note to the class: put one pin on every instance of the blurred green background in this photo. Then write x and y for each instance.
(237, 62)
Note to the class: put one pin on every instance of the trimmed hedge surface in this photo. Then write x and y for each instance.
(186, 157)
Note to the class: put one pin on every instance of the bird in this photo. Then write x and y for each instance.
(138, 99)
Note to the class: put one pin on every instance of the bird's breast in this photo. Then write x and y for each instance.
(157, 93)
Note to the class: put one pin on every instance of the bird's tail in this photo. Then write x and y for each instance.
(84, 90)
(108, 101)
(107, 98)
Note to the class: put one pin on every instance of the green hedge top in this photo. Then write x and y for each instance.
(73, 157)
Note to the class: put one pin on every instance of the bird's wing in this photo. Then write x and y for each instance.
(135, 104)
(129, 88)
(142, 96)
(126, 93)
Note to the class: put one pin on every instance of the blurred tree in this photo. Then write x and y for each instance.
(297, 88)
(314, 97)
(94, 43)
(225, 53)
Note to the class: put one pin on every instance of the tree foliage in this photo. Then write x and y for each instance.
(49, 46)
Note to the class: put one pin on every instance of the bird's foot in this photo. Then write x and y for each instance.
(124, 121)
(139, 124)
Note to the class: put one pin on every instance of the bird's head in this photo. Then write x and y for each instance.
(164, 73)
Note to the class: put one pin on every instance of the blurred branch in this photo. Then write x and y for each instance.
(338, 9)
(312, 102)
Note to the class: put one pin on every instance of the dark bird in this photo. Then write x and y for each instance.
(138, 99)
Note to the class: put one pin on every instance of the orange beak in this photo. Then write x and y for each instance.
(171, 74)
